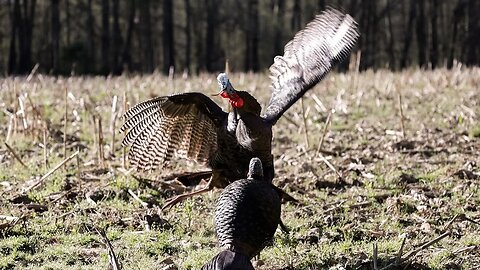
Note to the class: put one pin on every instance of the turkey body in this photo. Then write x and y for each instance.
(252, 137)
(246, 218)
(247, 215)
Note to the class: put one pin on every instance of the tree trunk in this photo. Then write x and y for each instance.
(374, 19)
(473, 38)
(278, 36)
(168, 47)
(251, 56)
(188, 35)
(91, 37)
(106, 59)
(25, 28)
(458, 14)
(408, 34)
(12, 55)
(55, 36)
(146, 36)
(212, 13)
(391, 41)
(117, 38)
(368, 38)
(68, 18)
(321, 5)
(126, 56)
(434, 52)
(445, 30)
(422, 31)
(296, 16)
(198, 35)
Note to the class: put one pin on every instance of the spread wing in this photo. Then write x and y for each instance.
(308, 57)
(178, 126)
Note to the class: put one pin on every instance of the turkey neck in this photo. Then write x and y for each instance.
(252, 132)
(254, 135)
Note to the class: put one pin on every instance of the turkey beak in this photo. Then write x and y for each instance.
(217, 94)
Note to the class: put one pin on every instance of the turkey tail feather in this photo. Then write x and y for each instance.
(230, 260)
(308, 57)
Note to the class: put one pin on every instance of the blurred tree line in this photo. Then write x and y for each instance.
(113, 36)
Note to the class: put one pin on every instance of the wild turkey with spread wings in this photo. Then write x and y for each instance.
(192, 126)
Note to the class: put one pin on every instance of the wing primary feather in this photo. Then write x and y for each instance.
(308, 57)
(164, 128)
(135, 114)
(139, 128)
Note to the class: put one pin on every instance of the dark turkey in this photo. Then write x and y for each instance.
(192, 126)
(246, 217)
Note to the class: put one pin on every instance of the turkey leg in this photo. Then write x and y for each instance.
(179, 198)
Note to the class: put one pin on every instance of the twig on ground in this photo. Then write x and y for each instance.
(325, 129)
(11, 222)
(67, 213)
(144, 204)
(399, 260)
(360, 204)
(449, 223)
(10, 127)
(32, 73)
(400, 251)
(23, 113)
(125, 171)
(101, 156)
(318, 102)
(330, 166)
(79, 167)
(17, 157)
(50, 172)
(402, 117)
(463, 249)
(375, 256)
(45, 151)
(95, 135)
(471, 220)
(423, 151)
(305, 127)
(59, 197)
(124, 150)
(113, 120)
(8, 218)
(15, 111)
(112, 258)
(171, 83)
(356, 77)
(290, 121)
(424, 246)
(35, 109)
(336, 207)
(65, 124)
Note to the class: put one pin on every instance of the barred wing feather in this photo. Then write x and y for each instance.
(308, 57)
(178, 126)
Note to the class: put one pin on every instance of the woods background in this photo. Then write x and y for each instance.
(113, 36)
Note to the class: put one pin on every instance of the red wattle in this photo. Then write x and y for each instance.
(224, 94)
(238, 103)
